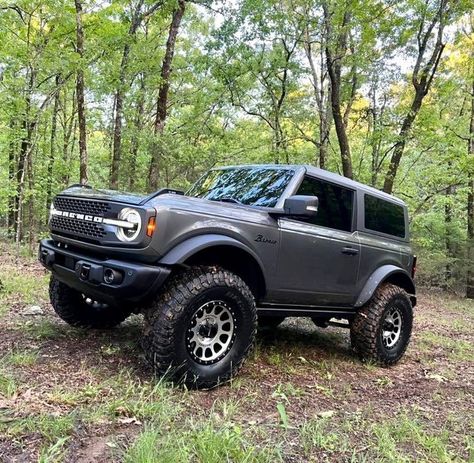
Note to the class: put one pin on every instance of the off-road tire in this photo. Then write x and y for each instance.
(366, 328)
(269, 322)
(168, 319)
(71, 306)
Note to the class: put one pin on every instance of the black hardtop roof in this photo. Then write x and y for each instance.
(325, 175)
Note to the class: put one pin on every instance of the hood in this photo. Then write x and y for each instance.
(106, 195)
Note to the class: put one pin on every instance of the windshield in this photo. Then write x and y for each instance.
(253, 186)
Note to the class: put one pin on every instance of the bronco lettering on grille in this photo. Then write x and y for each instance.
(75, 215)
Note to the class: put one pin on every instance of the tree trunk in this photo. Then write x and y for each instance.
(470, 205)
(138, 127)
(422, 78)
(28, 127)
(81, 110)
(399, 147)
(23, 162)
(52, 149)
(162, 102)
(450, 252)
(69, 127)
(11, 180)
(344, 147)
(32, 219)
(333, 61)
(320, 91)
(119, 96)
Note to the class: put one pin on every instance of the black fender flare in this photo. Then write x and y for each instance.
(187, 248)
(382, 274)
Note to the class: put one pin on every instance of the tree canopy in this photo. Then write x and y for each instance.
(141, 94)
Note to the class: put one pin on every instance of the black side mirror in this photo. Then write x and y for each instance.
(301, 205)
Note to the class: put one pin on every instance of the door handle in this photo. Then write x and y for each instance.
(349, 251)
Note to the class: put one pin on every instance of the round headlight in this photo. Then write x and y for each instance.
(132, 230)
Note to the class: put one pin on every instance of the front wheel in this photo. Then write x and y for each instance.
(200, 329)
(81, 311)
(381, 330)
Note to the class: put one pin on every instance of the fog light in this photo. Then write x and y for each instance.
(112, 276)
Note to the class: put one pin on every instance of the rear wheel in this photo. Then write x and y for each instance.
(81, 311)
(381, 330)
(201, 328)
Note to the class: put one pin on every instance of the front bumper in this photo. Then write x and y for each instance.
(125, 281)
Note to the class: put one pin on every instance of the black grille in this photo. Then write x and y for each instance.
(77, 227)
(81, 206)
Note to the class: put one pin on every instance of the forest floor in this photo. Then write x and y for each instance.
(87, 396)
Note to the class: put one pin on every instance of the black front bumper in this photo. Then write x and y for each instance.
(132, 282)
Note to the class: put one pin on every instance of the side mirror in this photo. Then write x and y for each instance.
(301, 205)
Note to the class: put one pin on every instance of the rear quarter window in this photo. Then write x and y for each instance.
(384, 216)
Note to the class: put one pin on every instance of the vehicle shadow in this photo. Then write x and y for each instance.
(300, 335)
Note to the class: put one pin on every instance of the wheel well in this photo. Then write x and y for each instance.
(403, 281)
(235, 260)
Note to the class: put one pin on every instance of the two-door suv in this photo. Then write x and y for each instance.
(245, 243)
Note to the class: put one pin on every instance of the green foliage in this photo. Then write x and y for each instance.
(242, 90)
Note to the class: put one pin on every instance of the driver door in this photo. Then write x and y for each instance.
(319, 258)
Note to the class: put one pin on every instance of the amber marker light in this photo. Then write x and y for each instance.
(150, 228)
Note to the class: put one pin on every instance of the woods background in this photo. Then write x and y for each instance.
(139, 94)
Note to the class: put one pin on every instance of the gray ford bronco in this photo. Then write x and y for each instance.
(244, 244)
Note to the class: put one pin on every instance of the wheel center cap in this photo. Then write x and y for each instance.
(208, 329)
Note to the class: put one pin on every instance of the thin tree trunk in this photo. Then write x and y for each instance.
(11, 180)
(162, 102)
(25, 148)
(399, 147)
(322, 101)
(334, 71)
(52, 149)
(422, 78)
(470, 206)
(23, 163)
(138, 127)
(119, 96)
(448, 218)
(32, 219)
(69, 130)
(81, 110)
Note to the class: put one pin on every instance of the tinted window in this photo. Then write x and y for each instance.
(255, 186)
(384, 216)
(335, 203)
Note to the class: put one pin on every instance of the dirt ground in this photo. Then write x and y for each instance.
(88, 396)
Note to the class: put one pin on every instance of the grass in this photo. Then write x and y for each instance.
(50, 427)
(21, 358)
(8, 385)
(200, 442)
(45, 329)
(17, 282)
(456, 349)
(53, 453)
(404, 434)
(318, 434)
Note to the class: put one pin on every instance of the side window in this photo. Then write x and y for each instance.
(335, 203)
(384, 216)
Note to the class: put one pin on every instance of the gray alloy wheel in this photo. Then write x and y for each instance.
(211, 332)
(392, 326)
